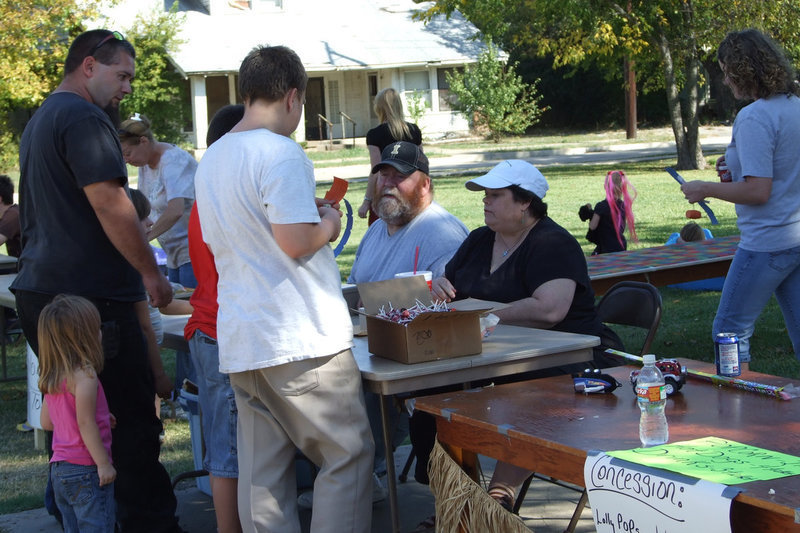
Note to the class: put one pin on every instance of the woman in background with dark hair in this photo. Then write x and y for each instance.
(764, 163)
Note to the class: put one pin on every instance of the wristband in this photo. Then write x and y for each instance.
(368, 199)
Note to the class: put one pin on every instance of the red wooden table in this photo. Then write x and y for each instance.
(663, 265)
(544, 426)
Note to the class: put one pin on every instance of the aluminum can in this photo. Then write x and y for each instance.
(722, 170)
(726, 351)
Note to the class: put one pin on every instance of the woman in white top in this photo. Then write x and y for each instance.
(166, 177)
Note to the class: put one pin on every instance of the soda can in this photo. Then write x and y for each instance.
(722, 170)
(726, 351)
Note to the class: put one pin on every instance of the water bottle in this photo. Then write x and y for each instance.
(652, 397)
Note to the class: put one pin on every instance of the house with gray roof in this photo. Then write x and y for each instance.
(351, 49)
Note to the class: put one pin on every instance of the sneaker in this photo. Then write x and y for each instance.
(379, 492)
(306, 500)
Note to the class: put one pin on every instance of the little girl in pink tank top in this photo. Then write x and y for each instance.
(75, 409)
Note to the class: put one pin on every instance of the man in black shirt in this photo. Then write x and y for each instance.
(81, 235)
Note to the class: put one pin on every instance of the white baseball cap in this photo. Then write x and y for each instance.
(511, 172)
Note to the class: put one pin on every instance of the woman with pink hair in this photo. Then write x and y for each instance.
(610, 217)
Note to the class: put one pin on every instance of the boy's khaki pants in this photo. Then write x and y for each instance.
(315, 405)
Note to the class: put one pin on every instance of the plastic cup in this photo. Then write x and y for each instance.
(427, 273)
(362, 320)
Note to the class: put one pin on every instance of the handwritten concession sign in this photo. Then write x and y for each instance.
(715, 459)
(631, 498)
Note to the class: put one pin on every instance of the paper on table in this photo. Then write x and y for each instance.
(715, 459)
(474, 304)
(628, 497)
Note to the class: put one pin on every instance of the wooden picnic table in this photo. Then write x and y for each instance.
(544, 426)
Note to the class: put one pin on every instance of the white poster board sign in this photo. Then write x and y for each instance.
(34, 395)
(630, 498)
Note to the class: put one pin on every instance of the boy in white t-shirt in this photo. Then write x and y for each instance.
(284, 331)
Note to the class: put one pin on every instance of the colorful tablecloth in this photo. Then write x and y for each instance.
(662, 257)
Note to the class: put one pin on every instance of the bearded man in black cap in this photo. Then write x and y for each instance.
(410, 220)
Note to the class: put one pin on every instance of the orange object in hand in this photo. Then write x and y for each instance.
(693, 213)
(337, 191)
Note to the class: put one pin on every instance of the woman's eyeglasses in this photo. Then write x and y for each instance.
(113, 35)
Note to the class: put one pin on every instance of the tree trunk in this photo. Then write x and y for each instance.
(687, 142)
(630, 99)
(692, 104)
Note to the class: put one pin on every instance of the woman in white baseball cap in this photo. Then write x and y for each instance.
(523, 258)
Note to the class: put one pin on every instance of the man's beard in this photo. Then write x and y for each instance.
(113, 113)
(396, 210)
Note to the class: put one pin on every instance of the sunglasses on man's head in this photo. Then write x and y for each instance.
(113, 35)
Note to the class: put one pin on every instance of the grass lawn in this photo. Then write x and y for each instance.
(659, 209)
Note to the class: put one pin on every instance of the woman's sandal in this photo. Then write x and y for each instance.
(505, 500)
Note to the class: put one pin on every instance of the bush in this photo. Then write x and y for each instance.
(494, 96)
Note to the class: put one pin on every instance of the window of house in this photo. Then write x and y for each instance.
(443, 88)
(417, 82)
(372, 81)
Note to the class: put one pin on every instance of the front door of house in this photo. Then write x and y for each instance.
(315, 106)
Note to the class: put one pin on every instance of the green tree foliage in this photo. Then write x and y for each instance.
(35, 40)
(494, 95)
(159, 90)
(676, 36)
(417, 106)
(34, 43)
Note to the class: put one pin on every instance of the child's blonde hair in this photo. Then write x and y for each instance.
(389, 108)
(618, 187)
(69, 339)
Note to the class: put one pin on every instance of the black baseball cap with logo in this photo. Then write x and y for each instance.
(406, 157)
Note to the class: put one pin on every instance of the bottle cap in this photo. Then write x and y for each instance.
(649, 359)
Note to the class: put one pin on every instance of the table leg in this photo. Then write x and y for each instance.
(390, 472)
(3, 351)
(467, 460)
(3, 341)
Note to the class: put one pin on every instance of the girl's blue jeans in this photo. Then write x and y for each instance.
(752, 279)
(85, 506)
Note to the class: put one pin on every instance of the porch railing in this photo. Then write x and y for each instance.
(351, 121)
(320, 120)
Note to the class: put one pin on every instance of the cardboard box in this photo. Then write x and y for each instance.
(430, 336)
